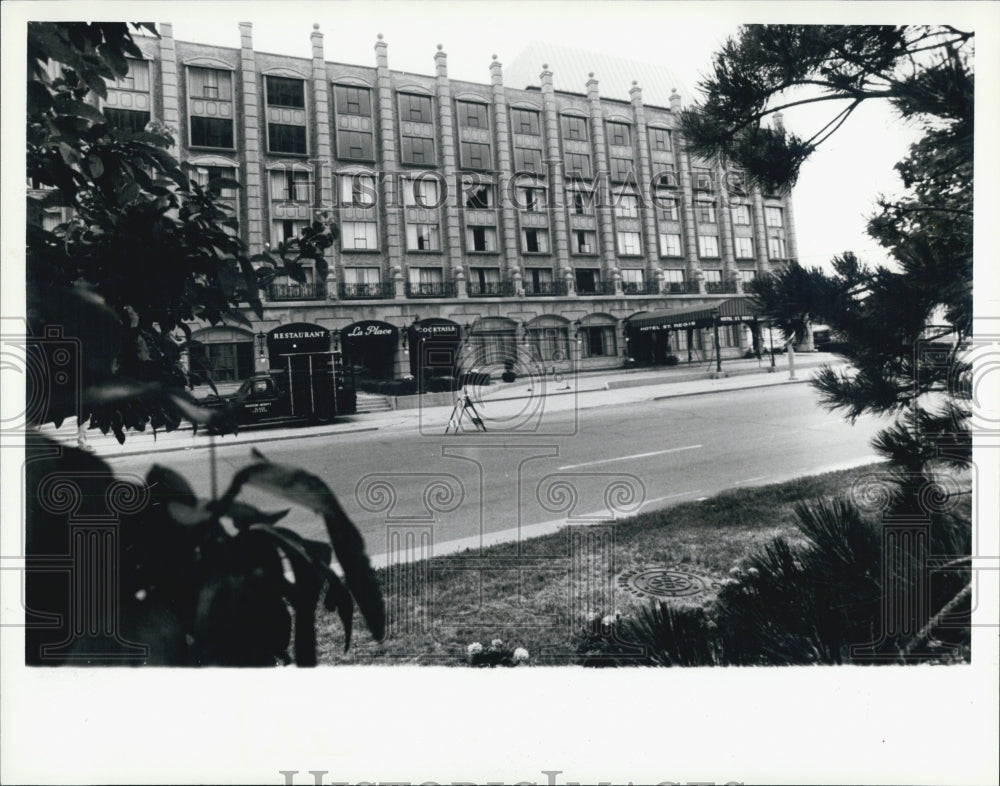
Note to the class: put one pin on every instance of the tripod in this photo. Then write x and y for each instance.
(463, 407)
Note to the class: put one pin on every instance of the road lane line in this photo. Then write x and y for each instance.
(629, 458)
(669, 496)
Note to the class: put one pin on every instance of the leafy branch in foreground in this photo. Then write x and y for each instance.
(204, 582)
(159, 250)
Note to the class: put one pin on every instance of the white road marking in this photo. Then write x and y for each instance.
(629, 458)
(669, 496)
(751, 480)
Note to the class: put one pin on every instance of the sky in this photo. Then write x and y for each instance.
(837, 188)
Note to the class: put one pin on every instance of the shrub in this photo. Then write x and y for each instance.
(659, 634)
(508, 376)
(671, 360)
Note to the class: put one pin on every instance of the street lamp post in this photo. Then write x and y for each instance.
(261, 364)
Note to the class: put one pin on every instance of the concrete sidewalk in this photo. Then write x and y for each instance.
(504, 408)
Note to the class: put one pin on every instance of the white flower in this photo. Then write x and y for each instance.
(735, 572)
(521, 655)
(496, 644)
(608, 619)
(474, 649)
(752, 572)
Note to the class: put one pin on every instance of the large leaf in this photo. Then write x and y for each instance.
(304, 488)
(167, 484)
(303, 594)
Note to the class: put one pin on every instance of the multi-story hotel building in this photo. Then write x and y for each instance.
(522, 226)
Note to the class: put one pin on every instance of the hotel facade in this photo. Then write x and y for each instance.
(487, 225)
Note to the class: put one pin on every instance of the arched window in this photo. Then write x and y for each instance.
(598, 336)
(549, 338)
(222, 354)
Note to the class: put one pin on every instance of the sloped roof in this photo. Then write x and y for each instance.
(571, 69)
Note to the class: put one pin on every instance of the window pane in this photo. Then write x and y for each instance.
(524, 121)
(416, 109)
(130, 121)
(353, 100)
(619, 134)
(286, 139)
(659, 139)
(670, 245)
(210, 83)
(211, 132)
(285, 92)
(472, 115)
(478, 197)
(527, 159)
(628, 243)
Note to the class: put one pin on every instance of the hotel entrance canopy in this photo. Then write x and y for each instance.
(733, 310)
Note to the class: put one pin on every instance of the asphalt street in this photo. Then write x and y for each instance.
(526, 477)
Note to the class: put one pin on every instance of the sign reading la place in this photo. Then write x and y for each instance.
(369, 330)
(298, 337)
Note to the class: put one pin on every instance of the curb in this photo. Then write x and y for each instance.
(205, 445)
(730, 390)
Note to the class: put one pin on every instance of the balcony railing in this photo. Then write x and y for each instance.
(598, 288)
(543, 288)
(490, 289)
(644, 288)
(437, 289)
(720, 287)
(675, 287)
(692, 287)
(380, 290)
(296, 292)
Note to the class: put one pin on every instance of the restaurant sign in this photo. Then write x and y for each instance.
(298, 337)
(437, 329)
(369, 329)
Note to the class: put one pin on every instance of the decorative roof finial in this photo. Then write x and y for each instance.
(379, 36)
(315, 25)
(440, 47)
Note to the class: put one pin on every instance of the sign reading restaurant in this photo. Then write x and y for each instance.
(298, 337)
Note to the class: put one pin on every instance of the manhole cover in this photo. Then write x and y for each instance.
(669, 582)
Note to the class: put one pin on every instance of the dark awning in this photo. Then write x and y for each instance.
(733, 310)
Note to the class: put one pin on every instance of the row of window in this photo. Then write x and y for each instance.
(297, 186)
(209, 129)
(362, 236)
(417, 145)
(360, 190)
(587, 280)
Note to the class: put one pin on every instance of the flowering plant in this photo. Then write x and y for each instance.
(496, 654)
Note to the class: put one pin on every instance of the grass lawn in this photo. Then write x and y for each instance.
(538, 593)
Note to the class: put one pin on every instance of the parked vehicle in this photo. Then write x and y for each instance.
(309, 393)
